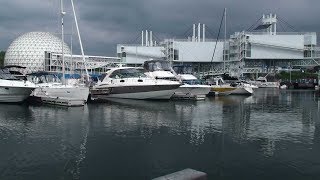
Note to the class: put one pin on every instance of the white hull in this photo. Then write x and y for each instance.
(242, 91)
(62, 91)
(15, 91)
(265, 84)
(164, 94)
(268, 85)
(14, 94)
(197, 92)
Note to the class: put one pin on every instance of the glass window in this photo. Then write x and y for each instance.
(5, 74)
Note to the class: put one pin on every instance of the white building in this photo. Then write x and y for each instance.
(245, 52)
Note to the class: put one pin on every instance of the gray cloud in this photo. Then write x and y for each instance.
(103, 23)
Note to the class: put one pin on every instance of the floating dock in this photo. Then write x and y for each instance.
(70, 102)
(186, 174)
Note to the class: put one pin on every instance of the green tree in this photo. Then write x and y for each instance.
(2, 53)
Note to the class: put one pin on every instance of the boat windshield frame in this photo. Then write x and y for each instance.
(6, 75)
(43, 78)
(192, 82)
(152, 66)
(183, 69)
(127, 73)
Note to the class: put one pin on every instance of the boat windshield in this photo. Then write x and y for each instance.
(47, 78)
(157, 66)
(5, 74)
(192, 82)
(127, 73)
(183, 69)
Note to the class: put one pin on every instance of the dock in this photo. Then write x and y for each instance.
(186, 174)
(69, 102)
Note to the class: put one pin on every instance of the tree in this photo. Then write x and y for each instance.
(2, 53)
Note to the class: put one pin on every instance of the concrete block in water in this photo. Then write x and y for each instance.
(186, 174)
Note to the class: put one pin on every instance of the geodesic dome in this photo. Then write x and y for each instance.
(28, 50)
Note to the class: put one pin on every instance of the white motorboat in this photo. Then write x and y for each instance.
(49, 85)
(262, 82)
(13, 89)
(131, 83)
(221, 88)
(191, 87)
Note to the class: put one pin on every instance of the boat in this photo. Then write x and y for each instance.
(131, 83)
(191, 87)
(220, 87)
(243, 88)
(50, 86)
(12, 89)
(262, 82)
(51, 90)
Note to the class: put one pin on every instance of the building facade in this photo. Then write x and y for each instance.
(262, 51)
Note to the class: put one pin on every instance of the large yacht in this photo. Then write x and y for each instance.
(191, 87)
(131, 83)
(13, 89)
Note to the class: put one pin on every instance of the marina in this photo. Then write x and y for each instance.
(226, 102)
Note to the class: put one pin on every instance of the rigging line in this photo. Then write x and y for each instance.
(217, 40)
(289, 25)
(210, 31)
(185, 33)
(156, 37)
(284, 30)
(135, 39)
(293, 28)
(250, 28)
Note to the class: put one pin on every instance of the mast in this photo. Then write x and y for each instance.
(62, 42)
(225, 40)
(81, 47)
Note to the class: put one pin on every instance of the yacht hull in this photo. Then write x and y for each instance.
(222, 90)
(197, 92)
(14, 94)
(242, 91)
(135, 92)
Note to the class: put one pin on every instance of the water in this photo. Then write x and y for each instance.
(272, 135)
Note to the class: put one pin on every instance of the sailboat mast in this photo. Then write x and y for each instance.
(81, 47)
(62, 42)
(225, 40)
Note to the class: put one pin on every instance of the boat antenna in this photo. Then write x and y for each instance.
(81, 47)
(62, 42)
(215, 46)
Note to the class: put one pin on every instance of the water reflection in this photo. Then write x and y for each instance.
(124, 139)
(36, 140)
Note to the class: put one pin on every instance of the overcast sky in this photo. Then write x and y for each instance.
(105, 23)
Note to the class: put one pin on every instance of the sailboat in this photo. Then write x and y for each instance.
(51, 90)
(219, 87)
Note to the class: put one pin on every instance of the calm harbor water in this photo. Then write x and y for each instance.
(274, 134)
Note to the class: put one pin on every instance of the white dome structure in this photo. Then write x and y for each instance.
(29, 49)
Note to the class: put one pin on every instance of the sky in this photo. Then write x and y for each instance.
(105, 23)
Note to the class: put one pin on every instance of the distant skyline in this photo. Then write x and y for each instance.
(106, 23)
